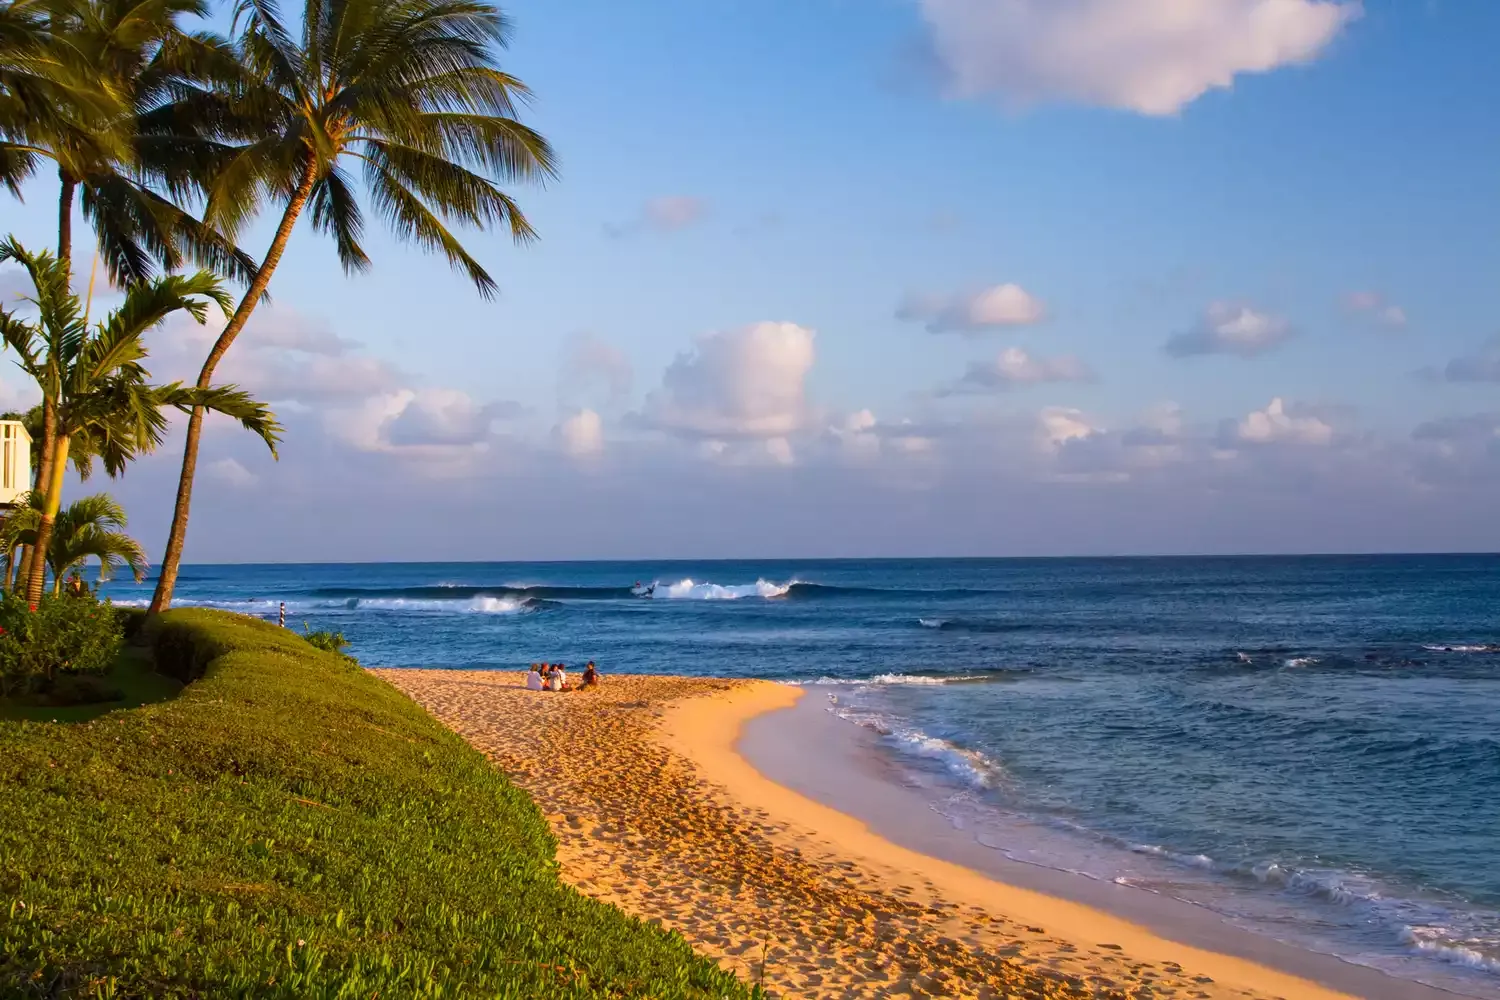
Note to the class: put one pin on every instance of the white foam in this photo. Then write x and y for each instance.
(1192, 860)
(1427, 940)
(475, 605)
(690, 590)
(884, 680)
(932, 622)
(1301, 661)
(1462, 649)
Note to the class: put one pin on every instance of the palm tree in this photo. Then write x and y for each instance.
(94, 379)
(79, 81)
(86, 78)
(89, 529)
(86, 529)
(406, 90)
(17, 529)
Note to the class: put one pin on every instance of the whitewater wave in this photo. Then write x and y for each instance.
(258, 606)
(474, 605)
(690, 590)
(1482, 648)
(1440, 943)
(1300, 661)
(450, 592)
(973, 768)
(898, 679)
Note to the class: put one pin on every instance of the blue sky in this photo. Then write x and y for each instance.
(1323, 231)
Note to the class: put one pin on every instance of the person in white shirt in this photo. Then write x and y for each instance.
(559, 679)
(534, 678)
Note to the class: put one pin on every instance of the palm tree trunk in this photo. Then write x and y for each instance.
(38, 577)
(43, 476)
(167, 580)
(10, 565)
(65, 219)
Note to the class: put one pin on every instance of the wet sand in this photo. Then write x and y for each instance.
(656, 810)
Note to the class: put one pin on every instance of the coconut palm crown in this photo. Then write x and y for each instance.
(94, 378)
(405, 92)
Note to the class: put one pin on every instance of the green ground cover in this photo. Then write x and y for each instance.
(289, 826)
(133, 676)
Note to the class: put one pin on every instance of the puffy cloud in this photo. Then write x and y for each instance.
(1014, 367)
(743, 383)
(582, 434)
(1149, 56)
(231, 473)
(1276, 424)
(988, 309)
(665, 214)
(862, 439)
(1057, 425)
(1482, 366)
(1374, 307)
(591, 359)
(1231, 328)
(439, 416)
(423, 422)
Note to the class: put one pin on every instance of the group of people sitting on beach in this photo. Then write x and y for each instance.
(554, 677)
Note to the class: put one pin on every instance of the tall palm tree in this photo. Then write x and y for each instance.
(407, 91)
(87, 77)
(79, 81)
(94, 379)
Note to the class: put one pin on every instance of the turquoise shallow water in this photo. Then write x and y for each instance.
(1308, 746)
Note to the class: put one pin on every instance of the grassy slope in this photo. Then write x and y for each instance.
(132, 674)
(292, 827)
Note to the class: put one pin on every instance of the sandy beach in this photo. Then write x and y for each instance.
(655, 810)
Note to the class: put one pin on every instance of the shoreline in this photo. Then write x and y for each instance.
(664, 800)
(818, 761)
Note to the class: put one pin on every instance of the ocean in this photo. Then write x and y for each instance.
(1307, 746)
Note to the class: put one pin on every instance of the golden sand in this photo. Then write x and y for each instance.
(654, 811)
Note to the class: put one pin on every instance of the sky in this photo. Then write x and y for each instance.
(857, 278)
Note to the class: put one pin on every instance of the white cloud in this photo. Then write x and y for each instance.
(582, 434)
(230, 473)
(1057, 425)
(1014, 367)
(665, 214)
(743, 383)
(1149, 56)
(1373, 306)
(1231, 328)
(417, 421)
(988, 309)
(780, 450)
(1275, 424)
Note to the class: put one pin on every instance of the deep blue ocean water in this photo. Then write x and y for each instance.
(1309, 746)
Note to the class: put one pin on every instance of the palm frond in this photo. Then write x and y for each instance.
(229, 400)
(415, 222)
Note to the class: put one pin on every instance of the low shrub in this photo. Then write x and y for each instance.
(291, 828)
(58, 636)
(328, 642)
(131, 621)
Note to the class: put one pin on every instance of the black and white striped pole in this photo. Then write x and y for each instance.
(281, 615)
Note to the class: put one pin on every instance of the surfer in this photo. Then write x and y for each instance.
(640, 591)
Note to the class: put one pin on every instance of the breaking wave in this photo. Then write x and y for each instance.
(690, 590)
